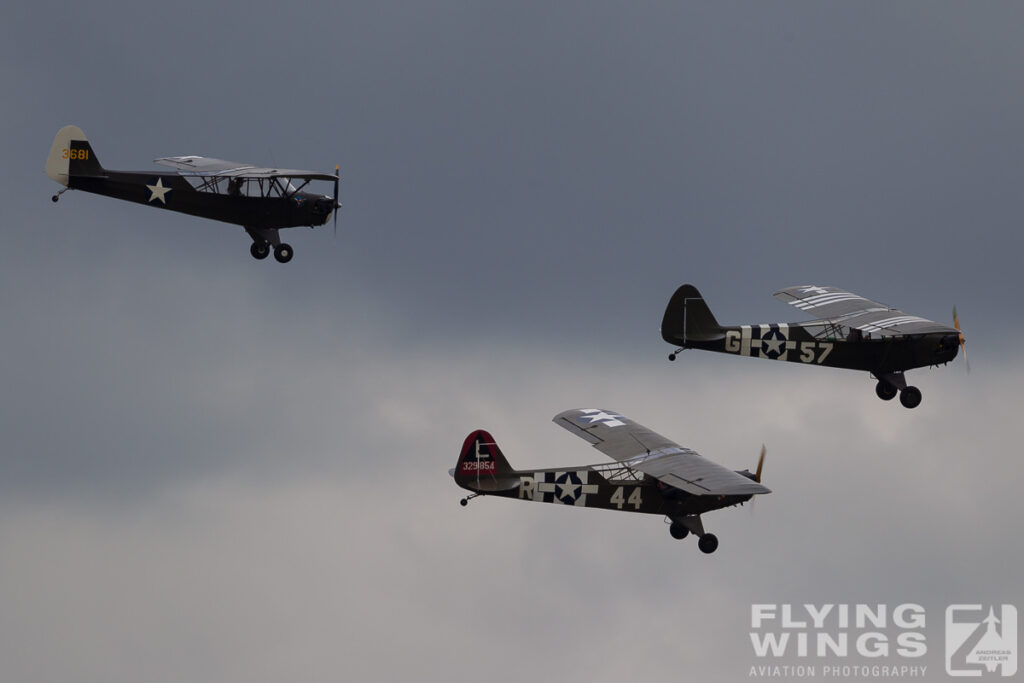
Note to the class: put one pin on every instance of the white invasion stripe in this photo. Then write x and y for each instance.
(828, 295)
(864, 311)
(825, 299)
(889, 322)
(892, 322)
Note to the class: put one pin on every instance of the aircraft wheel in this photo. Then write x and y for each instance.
(910, 397)
(885, 391)
(708, 543)
(259, 251)
(678, 531)
(283, 253)
(464, 502)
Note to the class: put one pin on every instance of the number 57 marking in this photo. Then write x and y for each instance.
(807, 351)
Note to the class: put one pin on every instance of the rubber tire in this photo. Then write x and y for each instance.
(708, 543)
(886, 391)
(678, 531)
(283, 253)
(910, 397)
(259, 251)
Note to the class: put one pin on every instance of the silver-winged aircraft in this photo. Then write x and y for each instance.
(261, 200)
(851, 332)
(651, 474)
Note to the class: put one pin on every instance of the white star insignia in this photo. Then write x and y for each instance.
(568, 489)
(607, 419)
(158, 191)
(814, 289)
(773, 344)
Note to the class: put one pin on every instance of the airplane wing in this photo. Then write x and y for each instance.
(639, 448)
(207, 166)
(834, 305)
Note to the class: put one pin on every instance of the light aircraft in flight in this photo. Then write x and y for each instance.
(651, 474)
(850, 332)
(261, 200)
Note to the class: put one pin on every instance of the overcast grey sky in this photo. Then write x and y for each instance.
(221, 469)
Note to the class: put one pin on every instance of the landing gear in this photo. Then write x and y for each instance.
(465, 501)
(672, 356)
(681, 527)
(892, 382)
(259, 251)
(708, 543)
(910, 397)
(885, 391)
(57, 196)
(678, 531)
(283, 253)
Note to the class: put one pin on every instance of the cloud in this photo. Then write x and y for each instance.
(218, 468)
(332, 554)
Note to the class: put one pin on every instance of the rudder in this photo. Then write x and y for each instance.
(482, 465)
(688, 318)
(71, 155)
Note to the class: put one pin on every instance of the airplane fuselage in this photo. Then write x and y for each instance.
(261, 200)
(601, 486)
(794, 343)
(175, 193)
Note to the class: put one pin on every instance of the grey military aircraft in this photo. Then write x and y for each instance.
(852, 332)
(261, 200)
(651, 474)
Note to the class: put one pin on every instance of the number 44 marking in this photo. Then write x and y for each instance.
(619, 497)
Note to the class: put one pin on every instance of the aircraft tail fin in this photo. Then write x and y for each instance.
(482, 466)
(71, 155)
(688, 318)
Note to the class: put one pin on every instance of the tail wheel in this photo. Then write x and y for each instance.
(259, 251)
(910, 397)
(708, 543)
(885, 391)
(283, 253)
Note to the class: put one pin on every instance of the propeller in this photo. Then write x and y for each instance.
(963, 341)
(757, 474)
(337, 204)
